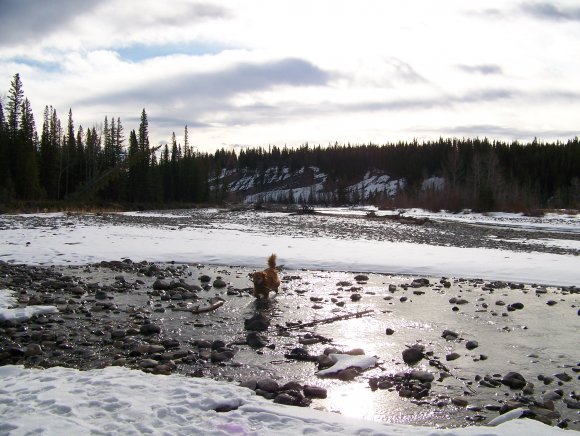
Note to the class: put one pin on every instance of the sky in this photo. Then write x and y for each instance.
(287, 72)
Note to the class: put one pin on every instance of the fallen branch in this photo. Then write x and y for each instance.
(196, 309)
(325, 320)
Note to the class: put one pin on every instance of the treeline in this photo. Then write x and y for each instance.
(478, 173)
(101, 164)
(96, 164)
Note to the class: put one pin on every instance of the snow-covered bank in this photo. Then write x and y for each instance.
(117, 400)
(246, 245)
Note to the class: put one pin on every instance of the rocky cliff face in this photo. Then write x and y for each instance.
(305, 185)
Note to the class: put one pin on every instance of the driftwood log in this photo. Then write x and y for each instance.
(214, 304)
(325, 320)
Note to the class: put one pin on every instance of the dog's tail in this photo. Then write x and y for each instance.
(272, 261)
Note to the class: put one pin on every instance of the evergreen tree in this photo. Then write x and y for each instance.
(144, 160)
(49, 155)
(13, 108)
(26, 164)
(134, 176)
(6, 188)
(118, 141)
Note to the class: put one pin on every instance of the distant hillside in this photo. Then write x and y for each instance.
(307, 185)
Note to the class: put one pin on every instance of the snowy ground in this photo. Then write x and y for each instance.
(121, 401)
(211, 237)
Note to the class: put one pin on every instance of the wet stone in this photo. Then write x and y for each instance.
(412, 355)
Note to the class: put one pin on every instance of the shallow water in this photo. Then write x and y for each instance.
(536, 340)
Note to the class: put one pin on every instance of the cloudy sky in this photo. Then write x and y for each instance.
(259, 72)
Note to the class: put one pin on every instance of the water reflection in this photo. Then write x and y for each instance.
(354, 400)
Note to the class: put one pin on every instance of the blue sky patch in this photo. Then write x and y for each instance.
(141, 52)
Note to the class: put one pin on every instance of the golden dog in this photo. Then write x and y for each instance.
(266, 281)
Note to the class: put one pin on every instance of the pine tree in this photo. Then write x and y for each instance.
(49, 156)
(6, 188)
(118, 141)
(14, 106)
(134, 181)
(26, 165)
(144, 161)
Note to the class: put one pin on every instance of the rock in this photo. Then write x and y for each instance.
(452, 356)
(303, 355)
(347, 374)
(459, 402)
(285, 399)
(101, 295)
(422, 376)
(256, 340)
(449, 335)
(355, 297)
(268, 385)
(250, 384)
(160, 285)
(471, 345)
(516, 306)
(412, 355)
(148, 363)
(257, 323)
(205, 278)
(551, 396)
(528, 389)
(33, 350)
(514, 380)
(219, 283)
(389, 331)
(392, 288)
(563, 376)
(418, 283)
(361, 278)
(217, 344)
(118, 334)
(149, 329)
(314, 392)
(221, 356)
(571, 404)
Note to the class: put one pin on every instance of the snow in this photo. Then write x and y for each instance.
(19, 314)
(345, 361)
(118, 400)
(374, 184)
(246, 245)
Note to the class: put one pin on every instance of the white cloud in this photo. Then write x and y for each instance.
(286, 72)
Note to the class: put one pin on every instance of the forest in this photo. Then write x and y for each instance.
(102, 165)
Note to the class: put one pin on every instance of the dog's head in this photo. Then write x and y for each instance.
(259, 278)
